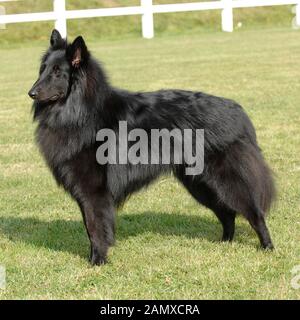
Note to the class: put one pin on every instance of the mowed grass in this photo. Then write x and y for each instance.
(167, 245)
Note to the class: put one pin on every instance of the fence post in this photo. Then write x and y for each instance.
(147, 19)
(59, 7)
(298, 14)
(2, 12)
(227, 16)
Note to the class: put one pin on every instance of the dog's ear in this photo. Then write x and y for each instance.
(56, 41)
(77, 52)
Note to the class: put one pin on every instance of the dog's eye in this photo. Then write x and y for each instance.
(56, 68)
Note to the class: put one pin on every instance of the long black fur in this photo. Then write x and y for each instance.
(73, 100)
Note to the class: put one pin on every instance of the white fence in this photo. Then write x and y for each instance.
(146, 9)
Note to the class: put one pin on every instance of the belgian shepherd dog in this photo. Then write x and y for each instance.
(73, 99)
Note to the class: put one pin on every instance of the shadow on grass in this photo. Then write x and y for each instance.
(70, 236)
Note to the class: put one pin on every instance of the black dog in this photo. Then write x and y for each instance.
(73, 100)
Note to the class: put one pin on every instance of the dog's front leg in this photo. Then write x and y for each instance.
(99, 218)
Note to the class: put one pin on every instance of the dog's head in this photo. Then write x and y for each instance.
(57, 67)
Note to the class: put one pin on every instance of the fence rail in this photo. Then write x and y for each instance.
(147, 9)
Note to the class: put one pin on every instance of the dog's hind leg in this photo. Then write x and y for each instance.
(257, 221)
(235, 198)
(227, 218)
(207, 197)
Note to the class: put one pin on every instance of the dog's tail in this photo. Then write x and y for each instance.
(242, 179)
(259, 177)
(267, 185)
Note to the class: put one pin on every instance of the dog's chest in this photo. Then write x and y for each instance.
(70, 161)
(58, 146)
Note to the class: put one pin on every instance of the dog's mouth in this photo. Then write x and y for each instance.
(52, 98)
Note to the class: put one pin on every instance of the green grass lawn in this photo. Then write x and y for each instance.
(167, 245)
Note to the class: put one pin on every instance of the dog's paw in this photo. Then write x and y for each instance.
(97, 259)
(268, 247)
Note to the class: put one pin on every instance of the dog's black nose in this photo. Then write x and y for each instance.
(32, 94)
